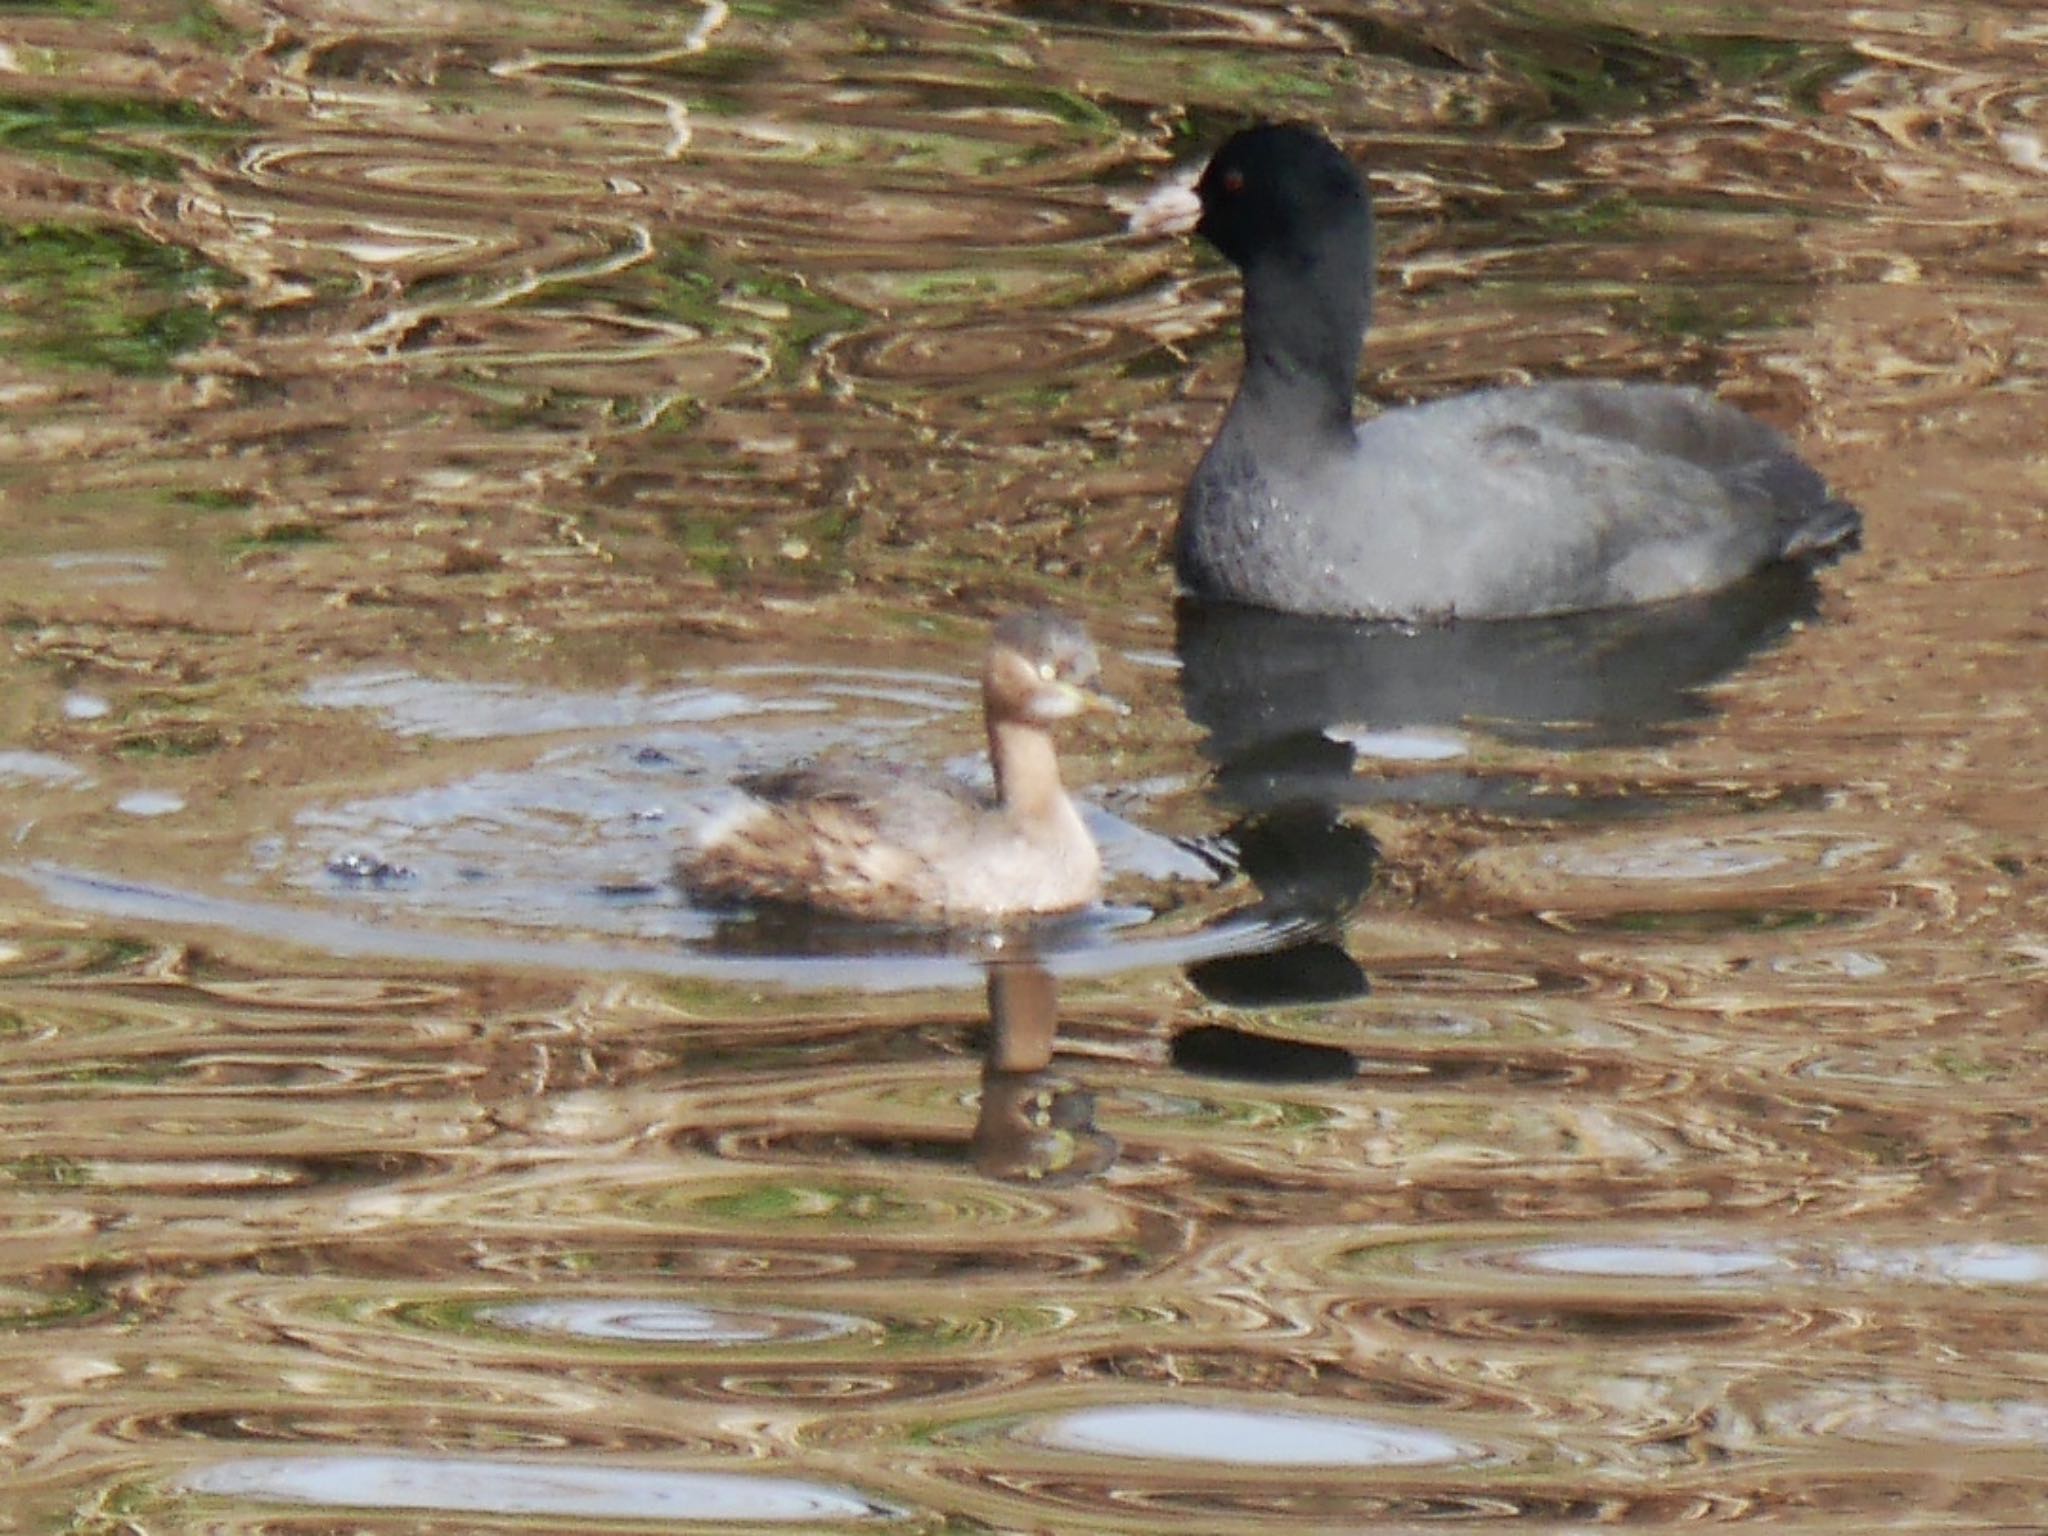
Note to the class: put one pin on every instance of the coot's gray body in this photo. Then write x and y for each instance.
(1504, 503)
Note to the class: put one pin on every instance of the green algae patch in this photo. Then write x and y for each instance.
(1687, 315)
(47, 1170)
(1217, 90)
(23, 1311)
(289, 534)
(777, 12)
(113, 132)
(849, 1206)
(725, 298)
(213, 498)
(96, 297)
(194, 20)
(170, 742)
(1589, 67)
(1798, 71)
(1610, 213)
(1714, 922)
(722, 299)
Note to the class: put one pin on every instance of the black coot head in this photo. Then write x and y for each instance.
(1278, 189)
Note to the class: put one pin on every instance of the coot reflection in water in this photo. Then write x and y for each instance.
(1308, 865)
(1283, 697)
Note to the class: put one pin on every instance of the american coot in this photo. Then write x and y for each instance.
(1497, 504)
(873, 842)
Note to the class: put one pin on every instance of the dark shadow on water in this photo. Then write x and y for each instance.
(1216, 1050)
(1279, 693)
(1308, 863)
(1310, 867)
(1316, 971)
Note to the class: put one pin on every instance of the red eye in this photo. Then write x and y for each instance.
(1233, 181)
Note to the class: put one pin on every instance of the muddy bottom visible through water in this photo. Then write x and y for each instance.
(1559, 1073)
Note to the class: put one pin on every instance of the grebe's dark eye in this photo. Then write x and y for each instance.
(1233, 180)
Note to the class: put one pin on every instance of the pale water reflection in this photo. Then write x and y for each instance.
(459, 1486)
(627, 1320)
(1577, 1074)
(1238, 1437)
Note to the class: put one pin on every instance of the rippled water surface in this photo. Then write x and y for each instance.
(1555, 1074)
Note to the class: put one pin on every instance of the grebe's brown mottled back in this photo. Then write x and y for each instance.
(868, 841)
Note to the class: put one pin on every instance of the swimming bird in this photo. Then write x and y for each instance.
(868, 841)
(1503, 503)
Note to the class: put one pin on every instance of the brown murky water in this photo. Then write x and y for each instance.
(1605, 1088)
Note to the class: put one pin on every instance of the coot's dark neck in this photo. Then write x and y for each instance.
(1305, 314)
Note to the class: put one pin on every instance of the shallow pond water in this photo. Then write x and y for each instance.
(1556, 1074)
